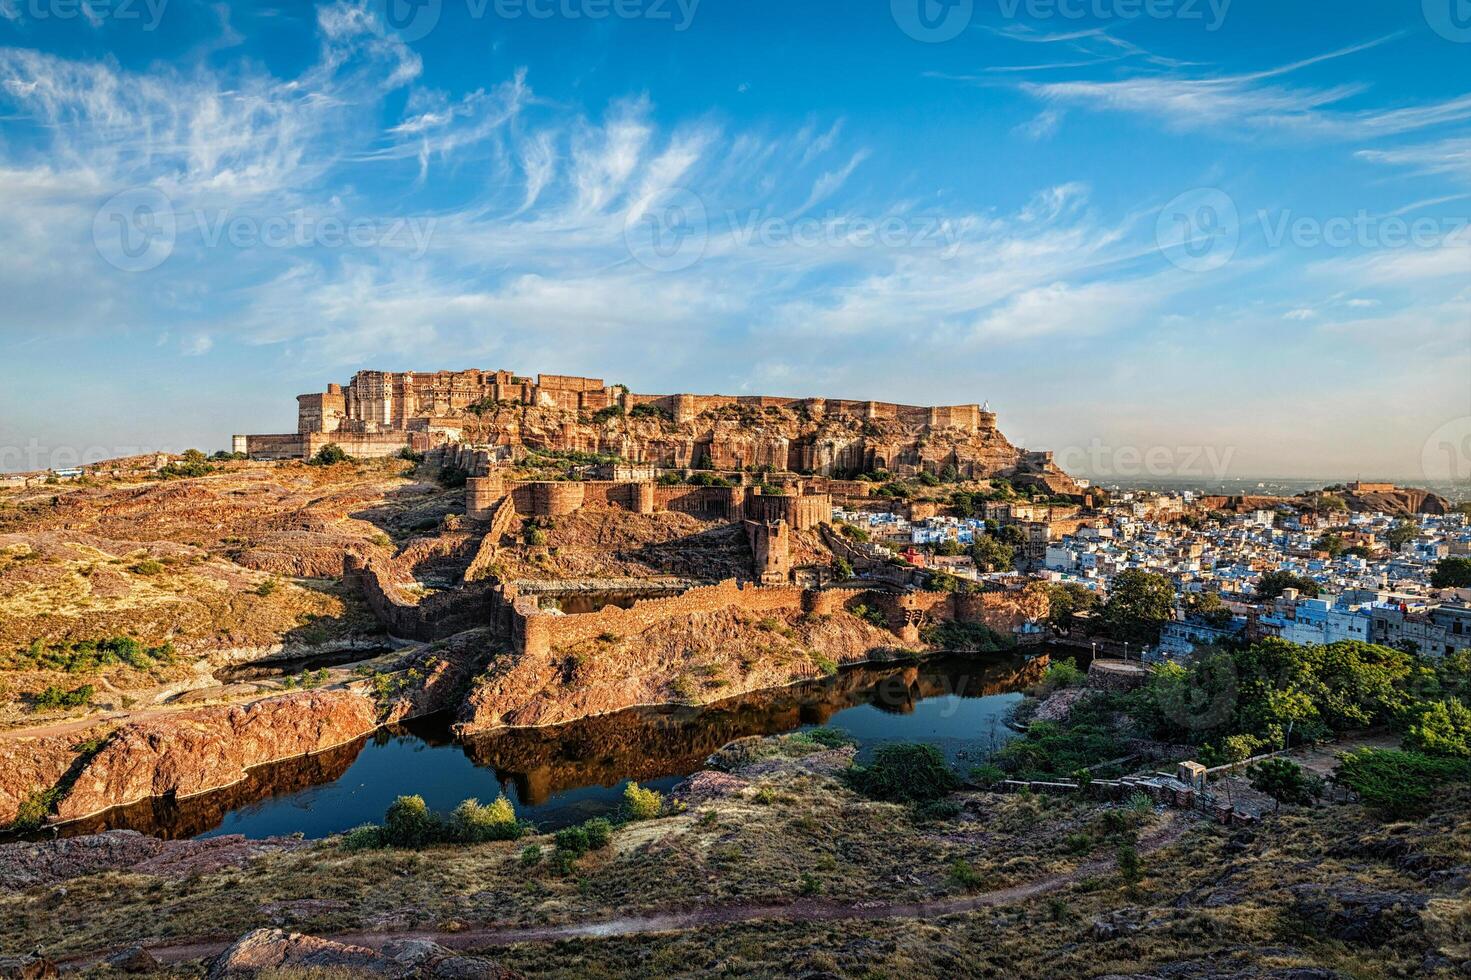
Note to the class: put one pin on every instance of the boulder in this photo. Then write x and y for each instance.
(276, 949)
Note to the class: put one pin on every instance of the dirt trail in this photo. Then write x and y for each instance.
(802, 910)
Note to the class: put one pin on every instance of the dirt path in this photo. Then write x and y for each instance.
(802, 910)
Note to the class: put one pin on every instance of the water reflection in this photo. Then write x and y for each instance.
(567, 773)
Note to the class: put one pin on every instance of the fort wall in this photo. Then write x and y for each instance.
(538, 632)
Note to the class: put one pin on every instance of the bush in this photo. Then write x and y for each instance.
(964, 875)
(364, 837)
(148, 566)
(936, 811)
(55, 697)
(986, 775)
(832, 738)
(1398, 784)
(471, 823)
(530, 855)
(330, 455)
(599, 833)
(904, 773)
(573, 841)
(1284, 781)
(1065, 673)
(408, 823)
(1131, 870)
(642, 804)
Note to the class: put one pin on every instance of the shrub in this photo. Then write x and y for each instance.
(936, 811)
(268, 587)
(34, 809)
(964, 875)
(148, 566)
(809, 885)
(1398, 784)
(904, 773)
(1131, 870)
(471, 823)
(573, 841)
(55, 697)
(408, 823)
(825, 664)
(986, 775)
(832, 738)
(642, 804)
(530, 855)
(364, 837)
(1065, 673)
(599, 833)
(329, 455)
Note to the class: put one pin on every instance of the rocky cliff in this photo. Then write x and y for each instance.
(693, 659)
(784, 438)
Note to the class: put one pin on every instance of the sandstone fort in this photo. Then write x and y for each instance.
(382, 413)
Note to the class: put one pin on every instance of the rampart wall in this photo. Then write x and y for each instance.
(538, 632)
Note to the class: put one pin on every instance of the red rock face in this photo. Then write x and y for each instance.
(211, 748)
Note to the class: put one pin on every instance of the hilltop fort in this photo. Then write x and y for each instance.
(382, 413)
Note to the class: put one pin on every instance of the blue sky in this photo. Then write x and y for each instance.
(1160, 237)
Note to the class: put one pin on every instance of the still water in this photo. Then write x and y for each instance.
(562, 775)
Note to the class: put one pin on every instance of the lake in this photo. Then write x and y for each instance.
(562, 775)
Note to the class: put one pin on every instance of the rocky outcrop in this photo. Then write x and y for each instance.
(211, 748)
(25, 864)
(186, 753)
(272, 950)
(692, 659)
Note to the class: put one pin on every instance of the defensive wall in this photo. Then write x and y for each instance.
(540, 498)
(382, 579)
(534, 631)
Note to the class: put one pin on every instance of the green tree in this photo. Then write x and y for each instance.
(1138, 606)
(1401, 533)
(1284, 781)
(1066, 599)
(1273, 584)
(1210, 607)
(991, 555)
(1452, 573)
(1442, 728)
